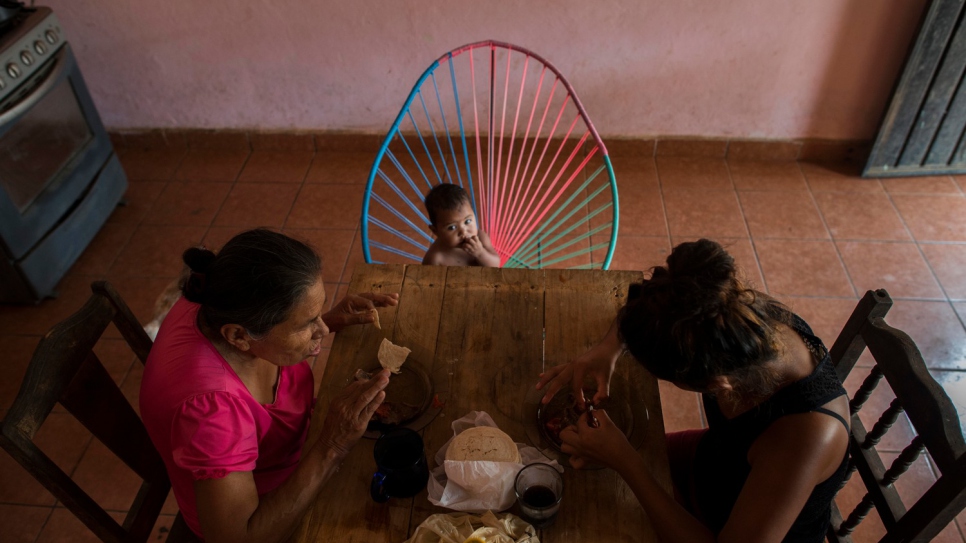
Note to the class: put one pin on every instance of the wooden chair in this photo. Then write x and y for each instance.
(65, 369)
(931, 414)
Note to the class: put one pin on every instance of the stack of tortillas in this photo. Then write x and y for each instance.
(483, 443)
(392, 356)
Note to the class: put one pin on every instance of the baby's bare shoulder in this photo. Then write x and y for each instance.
(437, 256)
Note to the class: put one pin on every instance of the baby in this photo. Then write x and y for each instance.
(458, 241)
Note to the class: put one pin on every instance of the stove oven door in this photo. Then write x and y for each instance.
(54, 194)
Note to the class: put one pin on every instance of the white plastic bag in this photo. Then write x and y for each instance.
(459, 527)
(478, 485)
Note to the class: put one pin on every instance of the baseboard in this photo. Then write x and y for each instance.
(856, 151)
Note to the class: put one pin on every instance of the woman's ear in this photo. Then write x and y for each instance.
(720, 383)
(237, 336)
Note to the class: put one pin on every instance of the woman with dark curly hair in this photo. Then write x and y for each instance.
(775, 451)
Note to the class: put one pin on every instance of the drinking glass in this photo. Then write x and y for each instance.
(539, 489)
(401, 465)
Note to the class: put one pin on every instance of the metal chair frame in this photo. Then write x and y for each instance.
(526, 180)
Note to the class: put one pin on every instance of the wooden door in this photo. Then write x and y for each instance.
(923, 131)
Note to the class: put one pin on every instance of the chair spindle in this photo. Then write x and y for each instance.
(856, 516)
(864, 391)
(903, 461)
(882, 426)
(849, 470)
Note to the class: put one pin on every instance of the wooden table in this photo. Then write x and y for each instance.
(491, 331)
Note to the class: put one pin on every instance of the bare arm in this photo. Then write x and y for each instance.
(488, 257)
(230, 510)
(432, 257)
(607, 445)
(795, 454)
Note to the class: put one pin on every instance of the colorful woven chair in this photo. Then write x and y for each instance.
(504, 124)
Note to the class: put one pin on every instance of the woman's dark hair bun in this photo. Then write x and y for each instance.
(694, 319)
(198, 260)
(702, 262)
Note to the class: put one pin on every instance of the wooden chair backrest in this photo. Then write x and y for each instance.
(931, 413)
(65, 369)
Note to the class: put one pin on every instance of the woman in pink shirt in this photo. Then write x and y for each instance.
(227, 391)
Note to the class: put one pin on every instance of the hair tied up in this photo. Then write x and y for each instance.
(198, 260)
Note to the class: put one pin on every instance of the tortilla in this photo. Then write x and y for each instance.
(392, 356)
(375, 315)
(483, 443)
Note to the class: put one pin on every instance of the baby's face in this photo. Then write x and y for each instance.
(453, 227)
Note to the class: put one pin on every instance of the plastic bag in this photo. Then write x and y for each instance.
(459, 527)
(478, 485)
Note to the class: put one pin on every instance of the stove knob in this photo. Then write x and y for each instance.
(26, 58)
(13, 70)
(40, 47)
(51, 37)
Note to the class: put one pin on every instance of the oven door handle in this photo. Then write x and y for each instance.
(53, 78)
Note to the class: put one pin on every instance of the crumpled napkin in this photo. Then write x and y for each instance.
(458, 527)
(478, 485)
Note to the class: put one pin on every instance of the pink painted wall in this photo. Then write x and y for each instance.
(735, 68)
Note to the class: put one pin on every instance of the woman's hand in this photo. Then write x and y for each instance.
(606, 444)
(349, 413)
(599, 363)
(357, 309)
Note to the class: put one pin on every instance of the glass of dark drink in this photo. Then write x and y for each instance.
(539, 489)
(402, 470)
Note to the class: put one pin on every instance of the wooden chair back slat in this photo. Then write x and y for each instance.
(145, 508)
(849, 344)
(131, 330)
(929, 410)
(98, 404)
(928, 407)
(58, 357)
(65, 369)
(939, 506)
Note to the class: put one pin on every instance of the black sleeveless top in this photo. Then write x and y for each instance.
(721, 461)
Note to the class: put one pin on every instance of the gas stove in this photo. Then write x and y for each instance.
(25, 46)
(59, 176)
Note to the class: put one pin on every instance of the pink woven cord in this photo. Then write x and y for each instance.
(524, 242)
(518, 241)
(519, 198)
(529, 202)
(501, 225)
(499, 186)
(483, 218)
(491, 133)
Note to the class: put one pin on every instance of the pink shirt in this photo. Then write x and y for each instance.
(205, 423)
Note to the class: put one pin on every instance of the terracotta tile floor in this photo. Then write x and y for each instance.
(815, 235)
